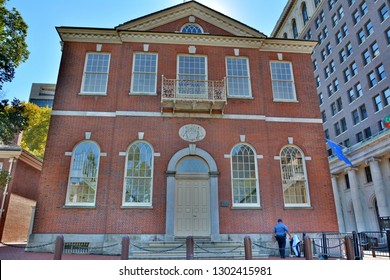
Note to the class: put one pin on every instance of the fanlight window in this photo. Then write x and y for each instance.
(192, 165)
(83, 175)
(244, 176)
(192, 28)
(139, 175)
(294, 178)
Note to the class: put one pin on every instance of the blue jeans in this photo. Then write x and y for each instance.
(282, 245)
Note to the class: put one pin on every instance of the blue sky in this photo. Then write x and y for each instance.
(42, 16)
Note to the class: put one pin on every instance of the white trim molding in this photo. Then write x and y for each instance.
(183, 115)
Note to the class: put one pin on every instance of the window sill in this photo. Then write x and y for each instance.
(142, 94)
(79, 206)
(246, 208)
(285, 101)
(136, 207)
(308, 207)
(240, 97)
(92, 94)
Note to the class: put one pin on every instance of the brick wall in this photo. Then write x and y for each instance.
(115, 134)
(18, 220)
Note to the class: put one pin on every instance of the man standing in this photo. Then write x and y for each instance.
(281, 230)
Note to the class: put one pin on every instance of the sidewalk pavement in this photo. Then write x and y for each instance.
(17, 252)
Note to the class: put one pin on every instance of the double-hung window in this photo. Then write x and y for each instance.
(283, 85)
(238, 77)
(144, 78)
(95, 76)
(192, 76)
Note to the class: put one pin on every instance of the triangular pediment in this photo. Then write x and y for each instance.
(169, 19)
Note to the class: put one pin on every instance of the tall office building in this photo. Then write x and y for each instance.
(351, 68)
(42, 94)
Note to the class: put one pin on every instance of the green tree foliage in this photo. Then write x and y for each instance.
(12, 120)
(13, 46)
(35, 134)
(4, 179)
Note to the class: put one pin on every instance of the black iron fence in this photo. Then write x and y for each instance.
(375, 243)
(368, 243)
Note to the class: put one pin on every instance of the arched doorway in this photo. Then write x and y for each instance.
(192, 198)
(192, 195)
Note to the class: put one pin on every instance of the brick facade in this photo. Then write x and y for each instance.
(267, 126)
(22, 193)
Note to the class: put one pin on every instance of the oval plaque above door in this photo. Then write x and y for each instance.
(192, 133)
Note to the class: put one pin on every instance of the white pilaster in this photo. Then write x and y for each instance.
(379, 186)
(339, 208)
(357, 204)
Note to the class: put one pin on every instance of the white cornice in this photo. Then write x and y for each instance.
(180, 38)
(69, 34)
(23, 155)
(377, 146)
(31, 160)
(74, 34)
(12, 153)
(286, 45)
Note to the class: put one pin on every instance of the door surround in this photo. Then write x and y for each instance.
(170, 198)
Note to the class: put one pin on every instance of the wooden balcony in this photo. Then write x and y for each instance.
(193, 96)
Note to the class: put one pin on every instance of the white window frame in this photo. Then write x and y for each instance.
(1, 166)
(203, 93)
(293, 169)
(69, 186)
(236, 204)
(154, 74)
(247, 78)
(292, 82)
(138, 204)
(85, 73)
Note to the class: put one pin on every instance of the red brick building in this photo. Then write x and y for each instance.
(19, 196)
(183, 122)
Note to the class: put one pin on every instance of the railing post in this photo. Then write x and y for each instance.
(248, 248)
(307, 248)
(373, 250)
(59, 247)
(356, 246)
(189, 248)
(324, 247)
(349, 248)
(125, 248)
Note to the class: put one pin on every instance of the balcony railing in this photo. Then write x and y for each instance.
(193, 95)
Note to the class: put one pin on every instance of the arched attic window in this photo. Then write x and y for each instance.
(192, 28)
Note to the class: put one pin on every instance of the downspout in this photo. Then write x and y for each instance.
(6, 187)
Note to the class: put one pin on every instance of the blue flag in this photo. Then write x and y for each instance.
(339, 152)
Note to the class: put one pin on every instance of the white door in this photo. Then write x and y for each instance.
(192, 207)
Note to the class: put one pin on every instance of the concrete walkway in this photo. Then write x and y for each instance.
(17, 252)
